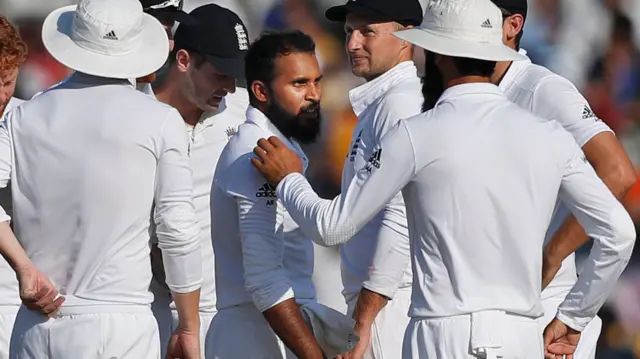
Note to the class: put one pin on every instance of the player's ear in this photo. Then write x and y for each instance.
(183, 60)
(260, 91)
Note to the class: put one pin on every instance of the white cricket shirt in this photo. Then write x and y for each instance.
(255, 262)
(552, 97)
(207, 139)
(87, 160)
(378, 257)
(480, 178)
(9, 293)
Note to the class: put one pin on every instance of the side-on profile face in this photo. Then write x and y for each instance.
(371, 47)
(203, 85)
(8, 80)
(294, 96)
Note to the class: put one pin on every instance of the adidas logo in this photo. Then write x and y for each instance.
(266, 191)
(110, 36)
(374, 160)
(588, 113)
(487, 24)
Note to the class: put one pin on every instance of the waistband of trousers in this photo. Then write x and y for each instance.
(67, 310)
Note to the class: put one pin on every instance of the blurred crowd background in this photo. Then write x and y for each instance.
(594, 43)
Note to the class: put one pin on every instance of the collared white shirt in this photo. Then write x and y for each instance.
(9, 293)
(207, 139)
(87, 160)
(552, 97)
(378, 257)
(480, 178)
(255, 262)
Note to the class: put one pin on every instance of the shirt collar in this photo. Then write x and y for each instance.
(364, 95)
(259, 119)
(514, 70)
(476, 88)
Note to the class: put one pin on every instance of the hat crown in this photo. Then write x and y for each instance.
(472, 20)
(108, 27)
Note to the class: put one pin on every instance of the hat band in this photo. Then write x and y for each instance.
(82, 35)
(490, 36)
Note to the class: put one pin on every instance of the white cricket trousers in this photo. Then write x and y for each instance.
(161, 311)
(125, 332)
(205, 326)
(387, 330)
(450, 338)
(588, 340)
(7, 318)
(242, 333)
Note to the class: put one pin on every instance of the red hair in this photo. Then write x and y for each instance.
(13, 51)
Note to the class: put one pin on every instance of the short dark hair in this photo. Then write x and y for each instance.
(506, 14)
(474, 67)
(260, 59)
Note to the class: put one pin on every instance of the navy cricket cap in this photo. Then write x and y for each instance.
(514, 7)
(219, 36)
(167, 10)
(405, 12)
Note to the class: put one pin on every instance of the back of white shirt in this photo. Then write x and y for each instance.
(89, 158)
(553, 98)
(9, 294)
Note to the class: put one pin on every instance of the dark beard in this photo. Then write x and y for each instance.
(304, 127)
(432, 82)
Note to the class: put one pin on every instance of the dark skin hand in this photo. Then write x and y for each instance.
(275, 160)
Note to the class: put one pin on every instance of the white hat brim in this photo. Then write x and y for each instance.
(151, 54)
(449, 46)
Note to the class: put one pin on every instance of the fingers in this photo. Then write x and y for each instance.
(52, 309)
(266, 145)
(275, 142)
(262, 154)
(258, 164)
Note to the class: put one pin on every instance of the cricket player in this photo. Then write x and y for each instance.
(480, 189)
(201, 85)
(263, 278)
(376, 266)
(553, 97)
(13, 52)
(88, 160)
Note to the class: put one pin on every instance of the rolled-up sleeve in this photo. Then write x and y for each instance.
(606, 221)
(175, 218)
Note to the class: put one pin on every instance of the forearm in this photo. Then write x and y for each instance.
(187, 306)
(287, 322)
(368, 306)
(571, 236)
(10, 248)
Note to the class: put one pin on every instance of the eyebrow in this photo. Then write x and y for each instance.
(306, 79)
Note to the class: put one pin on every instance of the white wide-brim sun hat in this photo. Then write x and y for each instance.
(113, 39)
(462, 28)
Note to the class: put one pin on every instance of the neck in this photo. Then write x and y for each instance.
(170, 94)
(467, 80)
(398, 62)
(501, 70)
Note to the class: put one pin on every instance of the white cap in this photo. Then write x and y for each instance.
(103, 38)
(462, 28)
